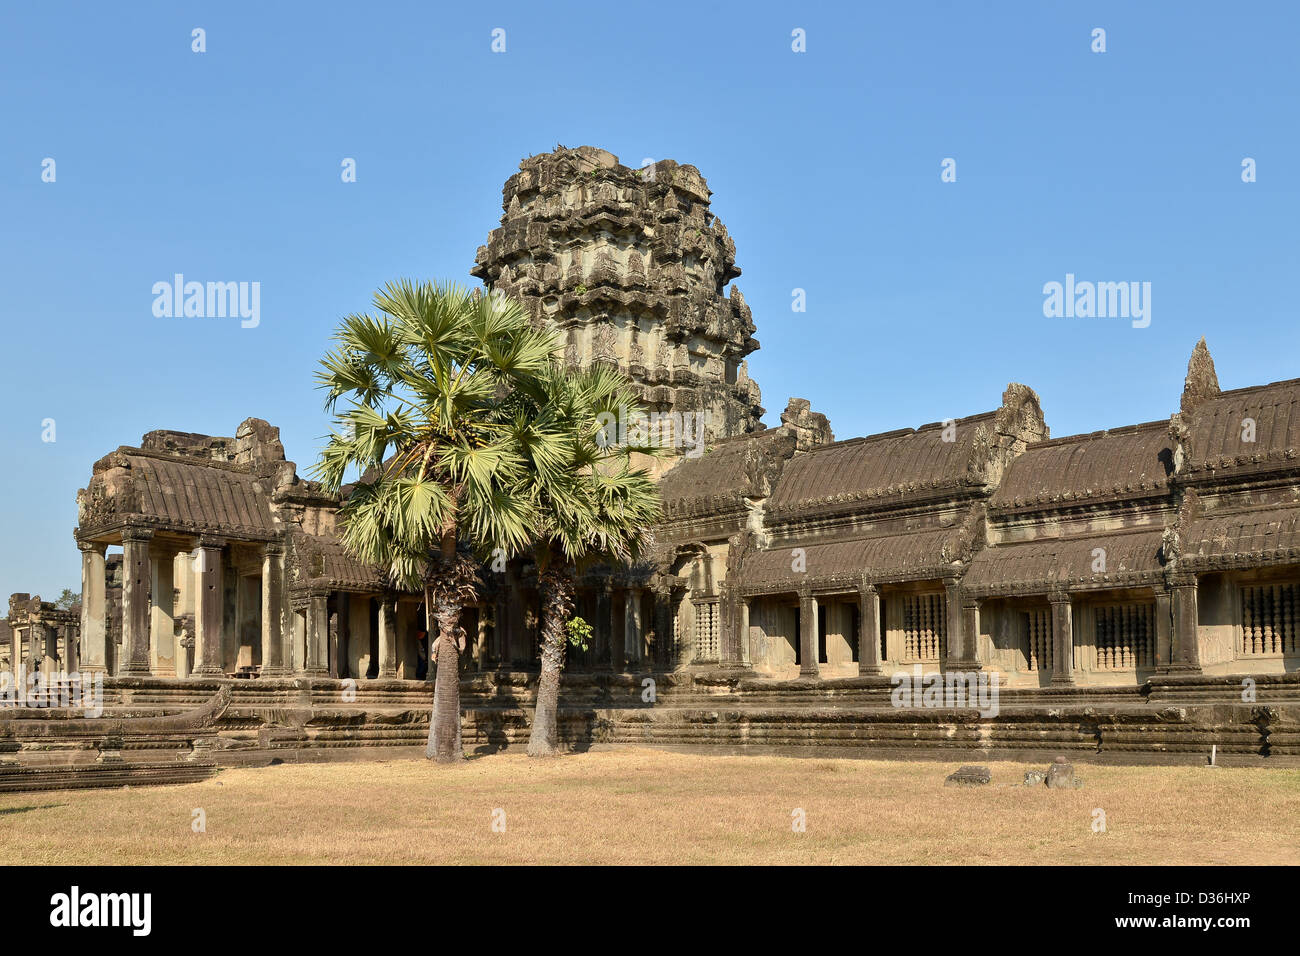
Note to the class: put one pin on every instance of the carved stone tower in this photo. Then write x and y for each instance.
(629, 265)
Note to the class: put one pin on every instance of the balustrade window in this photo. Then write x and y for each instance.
(1038, 639)
(1268, 619)
(1125, 636)
(924, 627)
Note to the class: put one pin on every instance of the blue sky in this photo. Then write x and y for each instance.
(924, 298)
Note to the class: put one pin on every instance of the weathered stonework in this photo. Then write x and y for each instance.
(1136, 591)
(630, 267)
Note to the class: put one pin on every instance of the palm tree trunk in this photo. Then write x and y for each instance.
(442, 599)
(556, 584)
(444, 729)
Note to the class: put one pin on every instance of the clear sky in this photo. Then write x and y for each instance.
(924, 297)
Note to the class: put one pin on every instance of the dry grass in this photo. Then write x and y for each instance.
(650, 807)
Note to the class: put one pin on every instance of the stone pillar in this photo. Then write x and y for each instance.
(273, 605)
(15, 649)
(209, 608)
(808, 635)
(317, 634)
(162, 619)
(94, 619)
(1062, 639)
(952, 610)
(632, 626)
(1164, 630)
(387, 636)
(136, 577)
(741, 640)
(968, 636)
(869, 630)
(71, 649)
(36, 648)
(50, 648)
(1185, 653)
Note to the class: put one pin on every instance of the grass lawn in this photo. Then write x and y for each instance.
(648, 807)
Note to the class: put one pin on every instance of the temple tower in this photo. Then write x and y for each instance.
(630, 266)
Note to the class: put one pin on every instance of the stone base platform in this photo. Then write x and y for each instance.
(168, 731)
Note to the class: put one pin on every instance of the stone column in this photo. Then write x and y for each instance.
(15, 649)
(632, 626)
(94, 620)
(71, 649)
(209, 601)
(50, 649)
(317, 634)
(273, 629)
(741, 640)
(162, 620)
(808, 635)
(1164, 630)
(36, 649)
(1062, 639)
(952, 610)
(1185, 653)
(868, 630)
(136, 577)
(968, 636)
(617, 647)
(387, 636)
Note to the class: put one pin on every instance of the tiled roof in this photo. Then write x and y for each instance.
(193, 496)
(1121, 463)
(1218, 429)
(892, 465)
(322, 562)
(1029, 567)
(1260, 535)
(725, 474)
(917, 555)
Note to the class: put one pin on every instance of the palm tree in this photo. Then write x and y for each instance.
(590, 504)
(430, 386)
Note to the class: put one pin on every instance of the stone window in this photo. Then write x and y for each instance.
(1268, 619)
(706, 630)
(1125, 636)
(924, 633)
(1038, 639)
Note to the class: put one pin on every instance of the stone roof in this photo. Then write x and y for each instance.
(913, 555)
(182, 495)
(176, 494)
(727, 473)
(321, 562)
(1250, 537)
(1121, 463)
(883, 468)
(1028, 567)
(1214, 442)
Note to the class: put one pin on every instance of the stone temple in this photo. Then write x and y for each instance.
(1136, 591)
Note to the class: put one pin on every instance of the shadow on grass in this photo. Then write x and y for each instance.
(45, 806)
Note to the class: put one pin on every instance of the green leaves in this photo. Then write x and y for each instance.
(457, 416)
